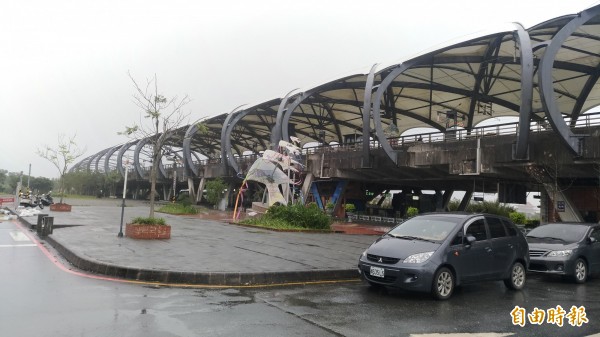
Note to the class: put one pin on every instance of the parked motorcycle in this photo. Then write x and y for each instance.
(32, 201)
(46, 199)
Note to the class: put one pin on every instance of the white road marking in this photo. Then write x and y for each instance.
(23, 245)
(19, 236)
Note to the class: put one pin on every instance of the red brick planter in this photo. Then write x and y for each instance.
(147, 232)
(60, 208)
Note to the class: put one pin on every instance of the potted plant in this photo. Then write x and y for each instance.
(349, 208)
(148, 229)
(329, 207)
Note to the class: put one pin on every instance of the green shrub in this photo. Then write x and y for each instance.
(349, 207)
(178, 208)
(532, 223)
(184, 200)
(148, 221)
(214, 190)
(297, 216)
(517, 217)
(491, 207)
(411, 212)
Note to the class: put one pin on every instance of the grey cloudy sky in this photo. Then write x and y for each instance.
(64, 63)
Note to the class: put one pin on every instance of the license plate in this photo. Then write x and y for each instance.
(377, 272)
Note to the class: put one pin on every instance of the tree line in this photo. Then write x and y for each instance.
(78, 183)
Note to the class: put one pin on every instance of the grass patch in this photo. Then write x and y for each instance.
(178, 209)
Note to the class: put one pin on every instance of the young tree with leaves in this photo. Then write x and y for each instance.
(164, 115)
(62, 156)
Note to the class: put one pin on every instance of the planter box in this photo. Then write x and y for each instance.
(147, 232)
(60, 208)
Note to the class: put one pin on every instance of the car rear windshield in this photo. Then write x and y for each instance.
(566, 232)
(425, 227)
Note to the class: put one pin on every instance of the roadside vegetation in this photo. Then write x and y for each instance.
(495, 207)
(292, 217)
(183, 205)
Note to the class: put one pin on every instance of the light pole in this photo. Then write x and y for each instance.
(124, 193)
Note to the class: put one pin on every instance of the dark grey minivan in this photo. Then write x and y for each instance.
(435, 252)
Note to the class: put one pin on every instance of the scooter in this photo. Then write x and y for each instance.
(46, 199)
(32, 202)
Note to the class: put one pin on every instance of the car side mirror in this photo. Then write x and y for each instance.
(469, 240)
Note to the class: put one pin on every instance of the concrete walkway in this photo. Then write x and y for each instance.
(203, 249)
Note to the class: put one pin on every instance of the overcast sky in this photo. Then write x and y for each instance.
(64, 63)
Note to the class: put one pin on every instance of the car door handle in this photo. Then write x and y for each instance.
(488, 249)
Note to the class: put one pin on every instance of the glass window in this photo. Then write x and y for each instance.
(477, 229)
(496, 227)
(457, 239)
(510, 228)
(428, 227)
(568, 233)
(596, 234)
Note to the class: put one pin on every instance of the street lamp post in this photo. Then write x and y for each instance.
(123, 203)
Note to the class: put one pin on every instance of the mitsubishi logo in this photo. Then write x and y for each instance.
(380, 260)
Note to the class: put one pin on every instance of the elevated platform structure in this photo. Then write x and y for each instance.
(545, 77)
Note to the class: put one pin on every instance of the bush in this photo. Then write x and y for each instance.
(412, 211)
(214, 190)
(185, 200)
(517, 217)
(349, 207)
(296, 216)
(149, 221)
(491, 207)
(178, 208)
(532, 223)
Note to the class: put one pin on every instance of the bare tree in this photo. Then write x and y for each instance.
(62, 156)
(165, 115)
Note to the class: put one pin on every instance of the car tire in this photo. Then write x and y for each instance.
(517, 277)
(580, 272)
(443, 284)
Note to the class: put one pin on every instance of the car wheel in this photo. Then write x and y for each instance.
(516, 280)
(581, 272)
(443, 284)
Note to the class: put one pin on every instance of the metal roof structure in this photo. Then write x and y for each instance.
(545, 74)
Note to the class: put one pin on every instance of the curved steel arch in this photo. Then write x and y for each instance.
(288, 113)
(109, 154)
(321, 101)
(526, 58)
(387, 148)
(226, 153)
(122, 151)
(276, 133)
(100, 155)
(136, 158)
(188, 162)
(366, 117)
(546, 82)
